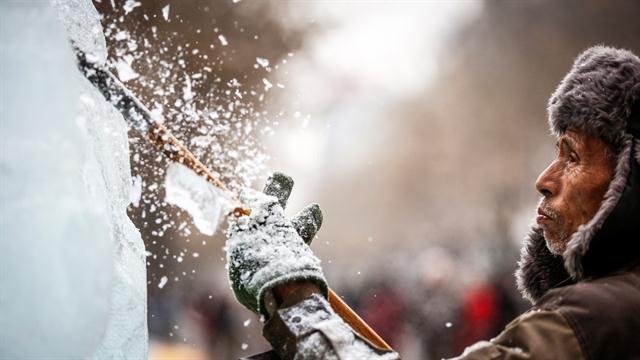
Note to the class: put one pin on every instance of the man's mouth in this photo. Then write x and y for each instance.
(545, 215)
(542, 217)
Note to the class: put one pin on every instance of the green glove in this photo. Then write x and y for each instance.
(265, 249)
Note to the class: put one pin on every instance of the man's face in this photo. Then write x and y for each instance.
(573, 186)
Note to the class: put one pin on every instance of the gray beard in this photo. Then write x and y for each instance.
(557, 246)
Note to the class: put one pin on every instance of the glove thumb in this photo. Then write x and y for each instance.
(308, 222)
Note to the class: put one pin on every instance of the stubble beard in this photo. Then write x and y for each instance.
(556, 243)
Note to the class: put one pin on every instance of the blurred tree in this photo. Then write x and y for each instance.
(459, 162)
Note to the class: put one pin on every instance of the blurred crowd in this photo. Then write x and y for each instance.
(428, 312)
(419, 124)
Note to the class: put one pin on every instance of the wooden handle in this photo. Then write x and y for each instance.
(141, 119)
(176, 151)
(356, 322)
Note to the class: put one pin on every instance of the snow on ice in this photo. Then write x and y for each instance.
(79, 18)
(136, 191)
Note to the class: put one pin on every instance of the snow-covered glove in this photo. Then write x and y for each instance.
(265, 249)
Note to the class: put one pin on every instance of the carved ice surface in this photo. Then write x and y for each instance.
(82, 23)
(73, 277)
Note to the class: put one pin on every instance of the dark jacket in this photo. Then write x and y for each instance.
(595, 318)
(587, 301)
(588, 312)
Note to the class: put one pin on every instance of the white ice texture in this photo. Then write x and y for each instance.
(203, 201)
(73, 280)
(82, 22)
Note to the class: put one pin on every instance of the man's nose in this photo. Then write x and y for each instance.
(547, 182)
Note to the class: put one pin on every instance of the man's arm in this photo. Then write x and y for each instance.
(294, 292)
(535, 335)
(274, 273)
(304, 326)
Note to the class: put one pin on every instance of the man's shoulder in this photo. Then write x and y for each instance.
(603, 312)
(618, 288)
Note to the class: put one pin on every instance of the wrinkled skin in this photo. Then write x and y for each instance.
(573, 186)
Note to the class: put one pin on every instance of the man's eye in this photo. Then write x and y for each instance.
(573, 157)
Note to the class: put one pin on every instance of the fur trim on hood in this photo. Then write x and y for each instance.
(600, 95)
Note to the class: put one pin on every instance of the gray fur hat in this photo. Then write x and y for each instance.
(600, 95)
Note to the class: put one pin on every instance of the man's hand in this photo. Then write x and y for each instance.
(265, 251)
(294, 292)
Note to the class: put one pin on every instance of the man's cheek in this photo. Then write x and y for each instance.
(587, 205)
(579, 210)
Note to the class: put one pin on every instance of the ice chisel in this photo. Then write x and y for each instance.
(141, 119)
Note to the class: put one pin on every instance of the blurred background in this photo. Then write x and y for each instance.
(419, 127)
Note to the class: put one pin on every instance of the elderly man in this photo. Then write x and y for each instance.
(580, 265)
